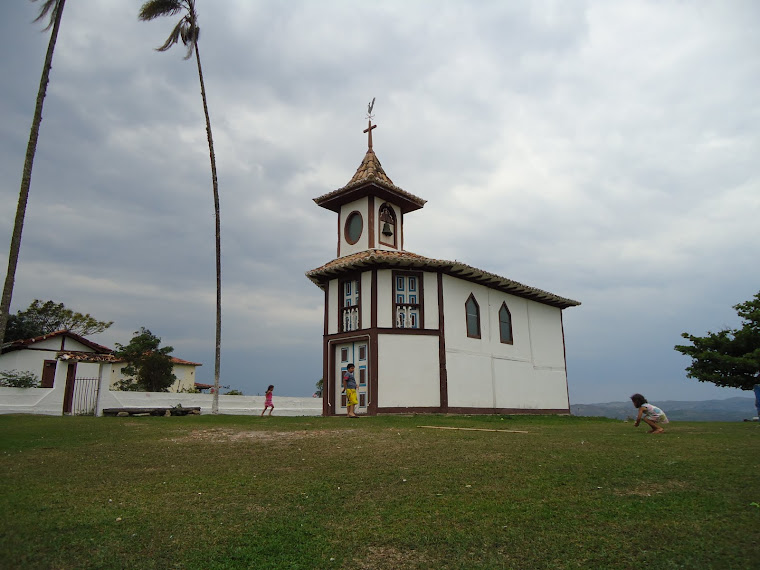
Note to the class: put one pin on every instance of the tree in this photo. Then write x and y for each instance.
(187, 31)
(44, 318)
(53, 9)
(730, 357)
(148, 366)
(16, 379)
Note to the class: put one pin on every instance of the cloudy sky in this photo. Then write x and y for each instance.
(603, 151)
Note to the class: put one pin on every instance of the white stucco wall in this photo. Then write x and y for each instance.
(365, 299)
(409, 376)
(185, 374)
(385, 298)
(360, 206)
(546, 336)
(33, 359)
(46, 401)
(49, 401)
(233, 405)
(528, 374)
(430, 299)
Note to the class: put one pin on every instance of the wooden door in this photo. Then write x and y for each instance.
(358, 354)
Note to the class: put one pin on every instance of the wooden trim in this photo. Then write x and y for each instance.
(339, 237)
(353, 334)
(411, 332)
(443, 374)
(371, 221)
(373, 301)
(402, 231)
(474, 411)
(564, 353)
(466, 316)
(329, 405)
(328, 382)
(48, 373)
(511, 411)
(409, 410)
(372, 370)
(68, 394)
(345, 227)
(327, 306)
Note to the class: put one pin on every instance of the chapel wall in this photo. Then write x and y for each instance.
(411, 376)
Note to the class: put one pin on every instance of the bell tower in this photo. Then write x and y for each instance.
(370, 207)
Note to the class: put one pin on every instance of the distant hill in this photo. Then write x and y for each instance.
(729, 410)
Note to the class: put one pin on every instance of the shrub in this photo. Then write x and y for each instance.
(16, 379)
(126, 385)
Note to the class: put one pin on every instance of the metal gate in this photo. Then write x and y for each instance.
(85, 396)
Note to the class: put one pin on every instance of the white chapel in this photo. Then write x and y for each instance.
(429, 335)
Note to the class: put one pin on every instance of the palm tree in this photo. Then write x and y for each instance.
(53, 9)
(187, 32)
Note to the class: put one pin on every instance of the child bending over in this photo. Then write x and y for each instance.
(652, 415)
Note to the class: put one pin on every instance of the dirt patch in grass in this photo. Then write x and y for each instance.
(227, 434)
(388, 557)
(649, 489)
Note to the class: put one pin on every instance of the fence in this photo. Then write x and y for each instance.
(85, 396)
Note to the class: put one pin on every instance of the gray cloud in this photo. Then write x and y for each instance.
(602, 151)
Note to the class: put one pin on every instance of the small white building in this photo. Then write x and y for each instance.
(64, 356)
(429, 335)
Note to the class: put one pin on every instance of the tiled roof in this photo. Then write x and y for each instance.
(19, 344)
(370, 168)
(180, 361)
(407, 260)
(82, 356)
(370, 171)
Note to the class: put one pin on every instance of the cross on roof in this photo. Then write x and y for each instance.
(368, 130)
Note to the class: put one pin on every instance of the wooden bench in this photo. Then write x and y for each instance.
(124, 412)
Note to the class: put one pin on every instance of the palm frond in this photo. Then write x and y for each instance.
(185, 30)
(156, 8)
(48, 9)
(174, 37)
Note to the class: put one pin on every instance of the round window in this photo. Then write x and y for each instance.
(354, 226)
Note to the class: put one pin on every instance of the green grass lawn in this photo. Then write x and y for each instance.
(250, 492)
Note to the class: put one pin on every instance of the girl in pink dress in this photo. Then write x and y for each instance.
(268, 402)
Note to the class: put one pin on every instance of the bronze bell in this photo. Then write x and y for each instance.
(387, 229)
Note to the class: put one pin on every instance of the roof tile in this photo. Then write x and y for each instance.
(406, 259)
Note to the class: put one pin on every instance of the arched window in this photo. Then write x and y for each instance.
(387, 225)
(472, 312)
(505, 324)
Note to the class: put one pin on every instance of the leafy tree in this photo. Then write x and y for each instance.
(44, 318)
(730, 357)
(148, 366)
(16, 379)
(187, 31)
(319, 387)
(53, 10)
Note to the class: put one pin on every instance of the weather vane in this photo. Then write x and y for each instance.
(370, 126)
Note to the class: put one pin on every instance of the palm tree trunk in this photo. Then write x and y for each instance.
(26, 178)
(217, 355)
